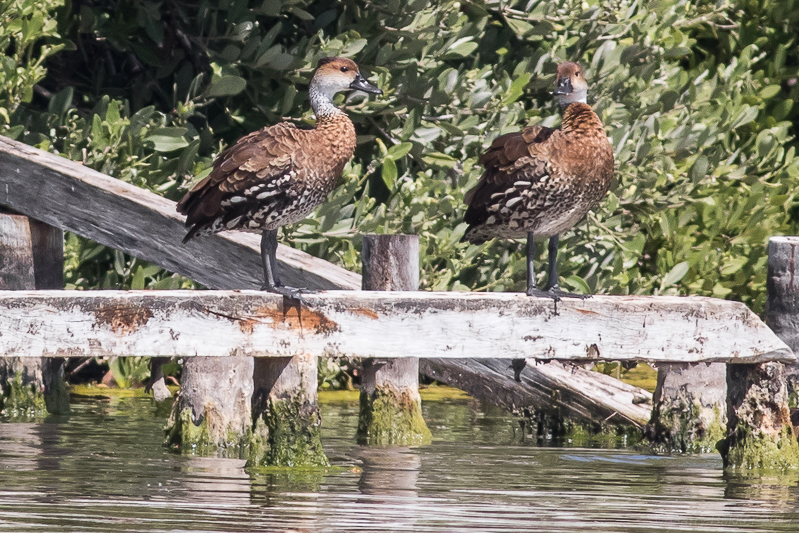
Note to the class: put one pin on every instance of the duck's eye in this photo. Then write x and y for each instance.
(344, 69)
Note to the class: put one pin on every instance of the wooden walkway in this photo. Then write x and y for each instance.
(383, 325)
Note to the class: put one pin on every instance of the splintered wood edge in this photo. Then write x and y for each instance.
(383, 324)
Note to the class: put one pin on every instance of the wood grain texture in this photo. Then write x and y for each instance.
(16, 253)
(32, 257)
(74, 198)
(48, 255)
(782, 286)
(580, 395)
(390, 263)
(383, 324)
(218, 391)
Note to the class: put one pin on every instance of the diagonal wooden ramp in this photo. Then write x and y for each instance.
(119, 215)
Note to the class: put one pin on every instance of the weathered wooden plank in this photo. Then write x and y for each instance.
(577, 394)
(69, 196)
(384, 324)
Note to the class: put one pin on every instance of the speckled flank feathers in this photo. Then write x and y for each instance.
(542, 180)
(277, 175)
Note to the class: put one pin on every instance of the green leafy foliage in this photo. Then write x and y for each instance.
(28, 36)
(130, 371)
(697, 99)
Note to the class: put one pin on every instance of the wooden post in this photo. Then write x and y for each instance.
(31, 257)
(391, 408)
(286, 412)
(689, 413)
(759, 430)
(212, 409)
(782, 305)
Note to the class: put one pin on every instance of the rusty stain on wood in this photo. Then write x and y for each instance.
(123, 320)
(296, 318)
(368, 313)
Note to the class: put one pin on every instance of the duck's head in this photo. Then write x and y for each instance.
(571, 85)
(338, 74)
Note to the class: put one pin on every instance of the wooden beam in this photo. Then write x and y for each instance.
(383, 324)
(575, 393)
(69, 196)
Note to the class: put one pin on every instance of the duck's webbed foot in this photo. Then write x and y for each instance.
(295, 293)
(555, 293)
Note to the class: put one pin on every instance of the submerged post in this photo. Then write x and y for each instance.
(391, 408)
(689, 412)
(759, 430)
(212, 408)
(31, 257)
(285, 404)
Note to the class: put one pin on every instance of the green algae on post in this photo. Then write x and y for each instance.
(754, 450)
(389, 418)
(285, 409)
(287, 434)
(760, 434)
(181, 432)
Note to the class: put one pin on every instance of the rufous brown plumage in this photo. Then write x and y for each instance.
(278, 175)
(541, 181)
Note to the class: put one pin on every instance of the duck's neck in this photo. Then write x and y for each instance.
(580, 116)
(322, 103)
(579, 96)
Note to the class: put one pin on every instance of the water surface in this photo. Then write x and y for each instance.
(104, 469)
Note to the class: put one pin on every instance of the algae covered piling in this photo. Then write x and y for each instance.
(390, 407)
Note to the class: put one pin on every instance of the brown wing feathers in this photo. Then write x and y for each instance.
(540, 180)
(241, 174)
(508, 161)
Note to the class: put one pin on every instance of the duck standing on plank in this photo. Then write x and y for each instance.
(541, 181)
(278, 175)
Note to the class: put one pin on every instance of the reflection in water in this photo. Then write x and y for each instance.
(104, 469)
(388, 482)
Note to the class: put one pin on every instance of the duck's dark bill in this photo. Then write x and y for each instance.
(360, 84)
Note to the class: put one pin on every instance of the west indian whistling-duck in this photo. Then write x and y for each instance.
(541, 181)
(278, 175)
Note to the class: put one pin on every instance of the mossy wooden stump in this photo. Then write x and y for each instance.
(391, 408)
(31, 257)
(212, 410)
(760, 434)
(689, 413)
(286, 413)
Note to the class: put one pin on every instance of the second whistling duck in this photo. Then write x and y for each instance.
(541, 181)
